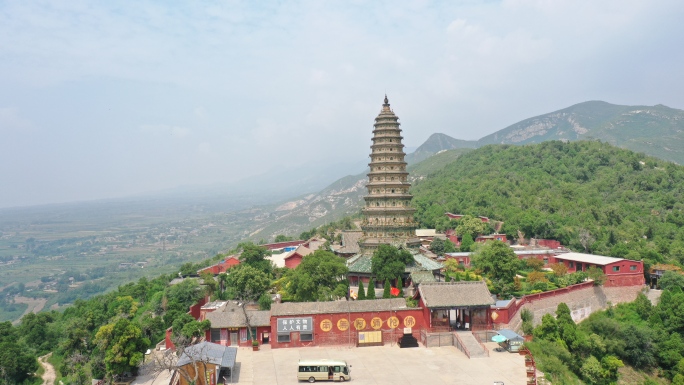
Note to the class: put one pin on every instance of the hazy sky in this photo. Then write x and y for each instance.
(103, 99)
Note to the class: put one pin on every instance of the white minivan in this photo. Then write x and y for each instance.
(323, 370)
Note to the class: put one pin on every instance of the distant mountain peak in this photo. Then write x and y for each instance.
(434, 144)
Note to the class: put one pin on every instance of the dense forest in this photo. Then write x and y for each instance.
(590, 196)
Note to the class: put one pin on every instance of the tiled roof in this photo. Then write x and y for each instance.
(418, 277)
(350, 242)
(424, 263)
(363, 264)
(302, 308)
(450, 294)
(360, 264)
(232, 316)
(301, 250)
(664, 267)
(209, 352)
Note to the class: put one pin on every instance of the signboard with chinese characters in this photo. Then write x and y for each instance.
(288, 325)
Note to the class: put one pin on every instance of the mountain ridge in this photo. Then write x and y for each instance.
(654, 130)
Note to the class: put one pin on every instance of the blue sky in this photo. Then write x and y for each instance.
(108, 99)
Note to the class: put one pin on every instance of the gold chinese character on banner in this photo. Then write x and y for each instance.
(393, 322)
(343, 324)
(326, 325)
(376, 323)
(409, 322)
(359, 324)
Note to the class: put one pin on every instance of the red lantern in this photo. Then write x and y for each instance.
(394, 292)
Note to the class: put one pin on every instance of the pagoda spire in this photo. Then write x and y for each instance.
(386, 105)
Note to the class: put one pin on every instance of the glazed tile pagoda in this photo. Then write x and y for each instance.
(388, 215)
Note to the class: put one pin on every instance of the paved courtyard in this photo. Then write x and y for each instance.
(384, 365)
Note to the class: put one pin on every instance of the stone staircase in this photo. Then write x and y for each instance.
(472, 347)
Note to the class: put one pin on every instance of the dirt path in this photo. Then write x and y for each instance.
(49, 375)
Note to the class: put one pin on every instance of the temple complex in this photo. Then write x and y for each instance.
(388, 215)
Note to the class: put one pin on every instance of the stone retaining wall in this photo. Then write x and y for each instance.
(581, 303)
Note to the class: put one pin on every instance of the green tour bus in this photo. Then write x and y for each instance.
(323, 370)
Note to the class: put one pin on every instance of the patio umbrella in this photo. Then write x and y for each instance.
(498, 338)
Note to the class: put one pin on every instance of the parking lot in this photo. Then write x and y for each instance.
(384, 365)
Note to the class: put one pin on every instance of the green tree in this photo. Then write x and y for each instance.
(389, 262)
(386, 293)
(247, 282)
(548, 330)
(437, 246)
(16, 364)
(534, 264)
(643, 306)
(282, 238)
(449, 246)
(265, 302)
(319, 277)
(362, 292)
(195, 328)
(209, 283)
(471, 226)
(591, 371)
(498, 261)
(255, 256)
(451, 265)
(123, 344)
(671, 279)
(597, 275)
(467, 242)
(222, 280)
(400, 286)
(179, 323)
(370, 294)
(183, 295)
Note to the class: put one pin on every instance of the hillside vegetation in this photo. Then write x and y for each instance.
(591, 196)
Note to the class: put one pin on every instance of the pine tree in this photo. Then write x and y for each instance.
(457, 277)
(362, 292)
(447, 278)
(371, 290)
(466, 242)
(400, 286)
(387, 293)
(467, 276)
